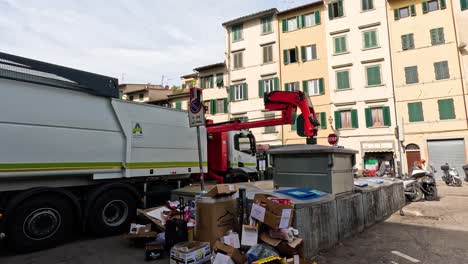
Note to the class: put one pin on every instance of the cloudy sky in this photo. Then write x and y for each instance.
(139, 40)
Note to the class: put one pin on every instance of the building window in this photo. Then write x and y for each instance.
(267, 54)
(441, 70)
(404, 12)
(415, 112)
(340, 44)
(309, 52)
(269, 85)
(238, 92)
(373, 75)
(446, 109)
(270, 129)
(141, 97)
(342, 80)
(219, 80)
(207, 105)
(238, 60)
(437, 36)
(370, 39)
(236, 33)
(433, 5)
(207, 82)
(464, 4)
(221, 106)
(411, 74)
(290, 56)
(292, 87)
(407, 41)
(293, 23)
(178, 105)
(311, 19)
(367, 5)
(378, 117)
(314, 87)
(335, 9)
(267, 26)
(131, 97)
(346, 119)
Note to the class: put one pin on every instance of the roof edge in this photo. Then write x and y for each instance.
(241, 19)
(319, 2)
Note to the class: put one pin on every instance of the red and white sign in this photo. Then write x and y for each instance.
(196, 109)
(333, 139)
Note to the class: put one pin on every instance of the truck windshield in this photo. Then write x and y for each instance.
(245, 143)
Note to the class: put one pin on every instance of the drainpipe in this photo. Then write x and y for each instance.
(280, 78)
(228, 69)
(400, 150)
(460, 64)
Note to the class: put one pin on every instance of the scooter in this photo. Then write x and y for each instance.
(451, 176)
(421, 183)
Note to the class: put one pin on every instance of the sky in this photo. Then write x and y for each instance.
(137, 41)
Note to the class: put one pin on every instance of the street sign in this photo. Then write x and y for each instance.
(196, 109)
(333, 139)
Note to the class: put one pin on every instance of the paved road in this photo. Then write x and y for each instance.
(431, 232)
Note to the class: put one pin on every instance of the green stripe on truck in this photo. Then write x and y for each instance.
(179, 164)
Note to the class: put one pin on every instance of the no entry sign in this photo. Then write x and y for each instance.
(332, 139)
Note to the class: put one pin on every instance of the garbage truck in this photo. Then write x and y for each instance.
(74, 157)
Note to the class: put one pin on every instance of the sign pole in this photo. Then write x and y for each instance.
(200, 161)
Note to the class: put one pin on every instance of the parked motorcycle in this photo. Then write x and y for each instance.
(451, 176)
(465, 169)
(421, 184)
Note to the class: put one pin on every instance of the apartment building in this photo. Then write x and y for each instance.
(428, 81)
(212, 79)
(145, 93)
(189, 80)
(252, 61)
(360, 83)
(304, 63)
(460, 13)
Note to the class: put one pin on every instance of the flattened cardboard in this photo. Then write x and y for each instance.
(270, 241)
(221, 190)
(290, 249)
(234, 253)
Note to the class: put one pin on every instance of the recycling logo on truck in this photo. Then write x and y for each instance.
(137, 131)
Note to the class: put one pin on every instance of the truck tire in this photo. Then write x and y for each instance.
(111, 213)
(41, 222)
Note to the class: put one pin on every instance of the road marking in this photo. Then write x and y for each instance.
(406, 256)
(393, 262)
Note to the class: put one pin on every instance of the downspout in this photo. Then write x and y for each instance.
(228, 68)
(280, 78)
(460, 65)
(400, 150)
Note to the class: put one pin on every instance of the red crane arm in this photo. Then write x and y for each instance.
(287, 103)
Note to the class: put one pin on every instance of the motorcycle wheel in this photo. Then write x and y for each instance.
(431, 194)
(457, 182)
(416, 194)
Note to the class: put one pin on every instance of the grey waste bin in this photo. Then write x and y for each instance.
(323, 168)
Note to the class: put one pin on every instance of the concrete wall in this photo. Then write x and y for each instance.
(359, 97)
(251, 72)
(302, 71)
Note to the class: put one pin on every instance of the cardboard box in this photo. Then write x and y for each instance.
(234, 253)
(287, 249)
(215, 217)
(220, 190)
(141, 231)
(193, 252)
(222, 259)
(276, 215)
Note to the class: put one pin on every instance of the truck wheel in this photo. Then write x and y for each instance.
(38, 223)
(111, 213)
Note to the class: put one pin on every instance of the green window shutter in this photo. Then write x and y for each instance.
(404, 42)
(343, 44)
(286, 57)
(317, 18)
(303, 53)
(225, 102)
(231, 93)
(284, 23)
(340, 8)
(298, 22)
(396, 14)
(294, 122)
(211, 81)
(411, 74)
(373, 76)
(321, 86)
(202, 83)
(323, 120)
(245, 91)
(364, 5)
(411, 41)
(373, 38)
(178, 105)
(297, 54)
(443, 4)
(425, 7)
(337, 119)
(286, 87)
(303, 20)
(354, 119)
(337, 45)
(434, 36)
(212, 107)
(464, 4)
(387, 117)
(330, 11)
(446, 109)
(342, 80)
(441, 70)
(305, 87)
(368, 112)
(415, 112)
(276, 82)
(261, 90)
(413, 10)
(367, 41)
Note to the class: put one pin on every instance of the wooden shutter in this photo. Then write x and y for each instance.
(232, 93)
(314, 51)
(211, 81)
(338, 45)
(286, 57)
(446, 109)
(317, 18)
(413, 10)
(354, 119)
(303, 53)
(284, 23)
(178, 105)
(323, 120)
(330, 11)
(434, 36)
(415, 112)
(396, 14)
(276, 82)
(386, 115)
(202, 82)
(367, 41)
(212, 107)
(343, 44)
(297, 54)
(443, 4)
(364, 4)
(261, 89)
(411, 75)
(321, 86)
(225, 102)
(373, 75)
(369, 122)
(337, 119)
(404, 40)
(340, 8)
(425, 7)
(286, 87)
(305, 87)
(441, 35)
(245, 91)
(464, 4)
(373, 38)
(294, 122)
(303, 22)
(298, 21)
(411, 41)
